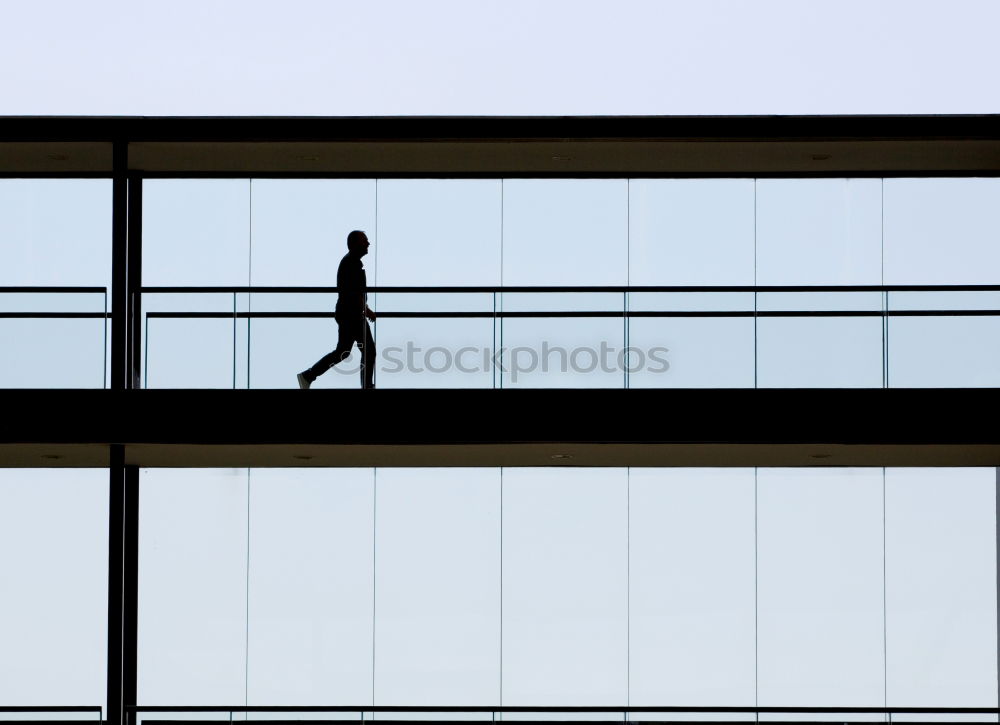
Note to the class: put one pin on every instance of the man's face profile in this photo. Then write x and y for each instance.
(358, 243)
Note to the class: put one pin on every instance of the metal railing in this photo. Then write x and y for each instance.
(34, 710)
(615, 714)
(499, 304)
(625, 303)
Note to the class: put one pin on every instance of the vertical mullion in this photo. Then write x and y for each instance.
(116, 514)
(130, 591)
(119, 267)
(116, 471)
(134, 282)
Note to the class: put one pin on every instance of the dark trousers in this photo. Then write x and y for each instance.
(350, 332)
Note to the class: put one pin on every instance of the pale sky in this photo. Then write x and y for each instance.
(515, 57)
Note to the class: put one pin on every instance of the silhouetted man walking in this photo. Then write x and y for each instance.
(352, 309)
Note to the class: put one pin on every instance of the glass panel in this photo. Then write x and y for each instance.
(563, 352)
(439, 232)
(820, 588)
(564, 586)
(300, 228)
(190, 353)
(193, 592)
(944, 352)
(54, 628)
(310, 586)
(189, 340)
(691, 232)
(824, 352)
(55, 232)
(691, 352)
(942, 231)
(537, 350)
(52, 353)
(691, 587)
(196, 232)
(565, 231)
(438, 587)
(819, 231)
(282, 348)
(941, 587)
(435, 353)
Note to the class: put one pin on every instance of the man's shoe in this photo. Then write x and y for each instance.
(304, 382)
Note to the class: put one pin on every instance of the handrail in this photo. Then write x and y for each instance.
(51, 708)
(48, 315)
(418, 289)
(53, 290)
(565, 708)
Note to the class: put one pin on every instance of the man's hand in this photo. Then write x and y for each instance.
(369, 313)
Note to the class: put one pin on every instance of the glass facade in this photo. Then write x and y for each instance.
(641, 587)
(53, 588)
(565, 587)
(55, 276)
(547, 282)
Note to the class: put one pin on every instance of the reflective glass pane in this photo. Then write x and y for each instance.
(691, 586)
(562, 340)
(185, 353)
(299, 228)
(819, 231)
(820, 589)
(574, 352)
(310, 586)
(823, 352)
(944, 352)
(942, 231)
(282, 348)
(437, 590)
(52, 353)
(193, 590)
(564, 586)
(691, 232)
(54, 574)
(190, 340)
(196, 232)
(691, 352)
(55, 232)
(565, 231)
(435, 353)
(941, 587)
(439, 232)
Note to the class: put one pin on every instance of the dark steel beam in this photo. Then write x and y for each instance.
(896, 416)
(410, 128)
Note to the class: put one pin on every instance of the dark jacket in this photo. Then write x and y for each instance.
(352, 289)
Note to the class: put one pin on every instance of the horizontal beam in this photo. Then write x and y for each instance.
(497, 146)
(280, 428)
(277, 128)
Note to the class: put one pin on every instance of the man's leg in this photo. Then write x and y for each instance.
(345, 341)
(367, 348)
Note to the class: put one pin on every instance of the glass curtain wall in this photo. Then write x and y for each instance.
(564, 250)
(53, 590)
(55, 278)
(643, 587)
